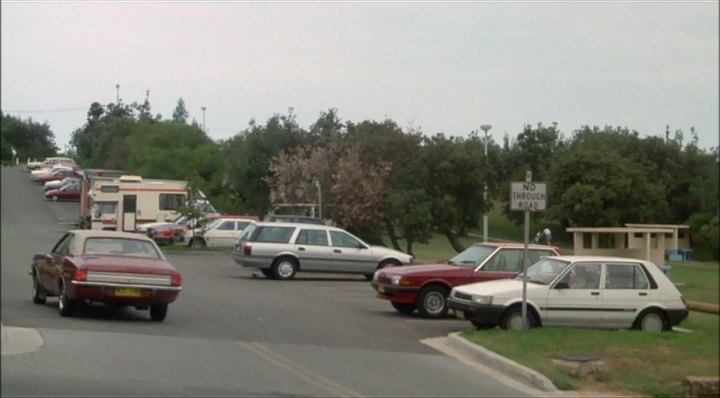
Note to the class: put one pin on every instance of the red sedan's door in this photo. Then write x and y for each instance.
(53, 266)
(506, 263)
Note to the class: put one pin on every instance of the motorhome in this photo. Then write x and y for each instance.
(89, 177)
(124, 202)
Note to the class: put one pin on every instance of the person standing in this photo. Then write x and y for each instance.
(547, 234)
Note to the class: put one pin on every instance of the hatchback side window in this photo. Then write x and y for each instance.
(227, 226)
(341, 239)
(317, 237)
(625, 276)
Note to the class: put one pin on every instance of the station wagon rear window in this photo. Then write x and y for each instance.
(272, 234)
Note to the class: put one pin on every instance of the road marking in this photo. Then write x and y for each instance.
(300, 371)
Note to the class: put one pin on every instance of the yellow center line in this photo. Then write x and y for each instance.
(298, 370)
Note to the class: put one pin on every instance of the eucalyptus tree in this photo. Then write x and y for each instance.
(457, 173)
(29, 138)
(248, 155)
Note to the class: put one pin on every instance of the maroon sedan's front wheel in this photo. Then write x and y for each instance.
(55, 198)
(158, 312)
(38, 293)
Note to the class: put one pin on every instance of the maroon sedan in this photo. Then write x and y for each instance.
(426, 287)
(68, 192)
(118, 268)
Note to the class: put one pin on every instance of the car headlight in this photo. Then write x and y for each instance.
(478, 299)
(395, 279)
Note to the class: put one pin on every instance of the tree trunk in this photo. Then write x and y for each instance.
(452, 238)
(409, 247)
(391, 234)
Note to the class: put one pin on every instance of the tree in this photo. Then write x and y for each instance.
(457, 175)
(180, 114)
(29, 138)
(249, 154)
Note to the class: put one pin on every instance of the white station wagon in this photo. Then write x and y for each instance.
(576, 291)
(280, 250)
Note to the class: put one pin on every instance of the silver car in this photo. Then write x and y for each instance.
(280, 250)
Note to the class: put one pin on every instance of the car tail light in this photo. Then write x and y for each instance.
(80, 275)
(177, 280)
(247, 250)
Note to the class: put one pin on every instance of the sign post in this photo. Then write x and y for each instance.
(527, 196)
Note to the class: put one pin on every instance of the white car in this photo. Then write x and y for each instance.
(220, 232)
(280, 250)
(576, 291)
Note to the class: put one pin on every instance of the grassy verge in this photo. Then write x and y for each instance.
(646, 363)
(696, 280)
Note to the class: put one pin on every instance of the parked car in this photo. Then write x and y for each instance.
(118, 268)
(576, 291)
(163, 233)
(425, 287)
(36, 175)
(280, 250)
(293, 219)
(68, 192)
(218, 231)
(57, 184)
(57, 174)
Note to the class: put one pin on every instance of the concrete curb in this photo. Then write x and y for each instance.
(500, 363)
(19, 340)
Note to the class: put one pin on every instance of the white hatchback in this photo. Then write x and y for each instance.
(576, 291)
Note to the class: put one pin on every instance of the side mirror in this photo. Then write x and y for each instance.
(562, 285)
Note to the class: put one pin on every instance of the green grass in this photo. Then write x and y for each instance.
(696, 280)
(636, 362)
(647, 363)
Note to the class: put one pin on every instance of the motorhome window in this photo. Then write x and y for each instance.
(110, 188)
(171, 201)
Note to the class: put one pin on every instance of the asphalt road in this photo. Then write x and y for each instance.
(229, 333)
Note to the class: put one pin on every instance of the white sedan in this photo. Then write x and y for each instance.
(576, 291)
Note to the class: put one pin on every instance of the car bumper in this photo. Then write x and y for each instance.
(397, 294)
(479, 313)
(251, 262)
(133, 294)
(677, 316)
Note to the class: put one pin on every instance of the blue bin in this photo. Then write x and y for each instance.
(676, 257)
(687, 254)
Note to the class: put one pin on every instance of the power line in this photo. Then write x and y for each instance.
(50, 110)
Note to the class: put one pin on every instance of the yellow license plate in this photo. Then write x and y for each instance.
(127, 292)
(459, 314)
(381, 288)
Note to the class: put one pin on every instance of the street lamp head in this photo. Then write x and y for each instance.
(485, 128)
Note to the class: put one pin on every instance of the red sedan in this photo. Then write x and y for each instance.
(68, 192)
(426, 287)
(118, 268)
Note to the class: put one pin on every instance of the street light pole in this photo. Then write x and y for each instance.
(117, 93)
(317, 184)
(203, 109)
(485, 128)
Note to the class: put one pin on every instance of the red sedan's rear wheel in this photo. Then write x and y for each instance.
(55, 198)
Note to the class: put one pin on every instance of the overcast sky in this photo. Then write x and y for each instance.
(437, 67)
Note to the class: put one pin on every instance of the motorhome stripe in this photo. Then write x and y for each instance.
(152, 190)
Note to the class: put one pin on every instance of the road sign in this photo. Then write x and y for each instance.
(529, 195)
